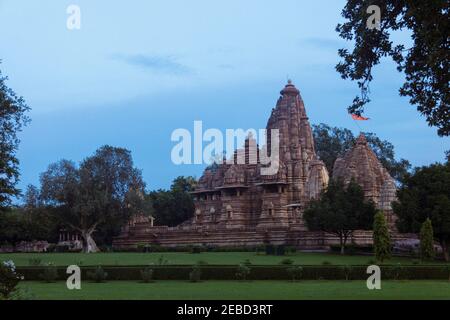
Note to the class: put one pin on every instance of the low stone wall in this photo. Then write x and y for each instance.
(223, 237)
(26, 246)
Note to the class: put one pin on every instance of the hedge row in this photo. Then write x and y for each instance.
(256, 273)
(268, 249)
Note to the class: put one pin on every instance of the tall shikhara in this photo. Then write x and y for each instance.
(238, 196)
(362, 165)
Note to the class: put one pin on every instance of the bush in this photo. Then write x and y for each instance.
(347, 271)
(290, 250)
(34, 262)
(295, 273)
(287, 261)
(247, 262)
(99, 275)
(50, 273)
(446, 270)
(162, 261)
(9, 279)
(147, 275)
(280, 250)
(195, 275)
(270, 249)
(60, 248)
(202, 263)
(196, 250)
(352, 249)
(242, 272)
(326, 263)
(415, 261)
(397, 271)
(371, 262)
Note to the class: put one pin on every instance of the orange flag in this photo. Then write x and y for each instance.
(359, 118)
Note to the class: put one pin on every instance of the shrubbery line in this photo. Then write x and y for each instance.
(257, 272)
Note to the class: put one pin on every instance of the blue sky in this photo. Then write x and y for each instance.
(137, 70)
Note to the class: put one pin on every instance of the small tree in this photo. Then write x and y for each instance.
(341, 210)
(147, 275)
(381, 237)
(295, 273)
(242, 272)
(427, 241)
(347, 271)
(99, 275)
(50, 273)
(196, 274)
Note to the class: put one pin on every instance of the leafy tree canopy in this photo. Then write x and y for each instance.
(425, 63)
(99, 195)
(340, 210)
(13, 110)
(426, 194)
(174, 206)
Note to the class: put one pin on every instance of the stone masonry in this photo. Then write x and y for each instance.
(236, 206)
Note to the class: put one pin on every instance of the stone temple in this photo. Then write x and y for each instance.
(235, 205)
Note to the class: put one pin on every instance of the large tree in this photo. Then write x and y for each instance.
(340, 210)
(100, 194)
(333, 142)
(425, 62)
(426, 194)
(13, 110)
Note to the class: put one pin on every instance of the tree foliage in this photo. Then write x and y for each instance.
(381, 237)
(174, 206)
(427, 241)
(99, 195)
(425, 64)
(426, 194)
(13, 110)
(334, 142)
(340, 210)
(21, 224)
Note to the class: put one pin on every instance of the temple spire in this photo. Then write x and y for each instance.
(290, 89)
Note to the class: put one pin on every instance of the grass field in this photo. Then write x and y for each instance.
(213, 258)
(210, 290)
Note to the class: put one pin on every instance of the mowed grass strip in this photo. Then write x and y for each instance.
(244, 290)
(180, 258)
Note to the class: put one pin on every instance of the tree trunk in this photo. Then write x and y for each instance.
(89, 244)
(444, 246)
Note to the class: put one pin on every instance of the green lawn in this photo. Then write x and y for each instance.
(217, 258)
(211, 290)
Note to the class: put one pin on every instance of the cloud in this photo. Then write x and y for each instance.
(226, 66)
(324, 43)
(156, 63)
